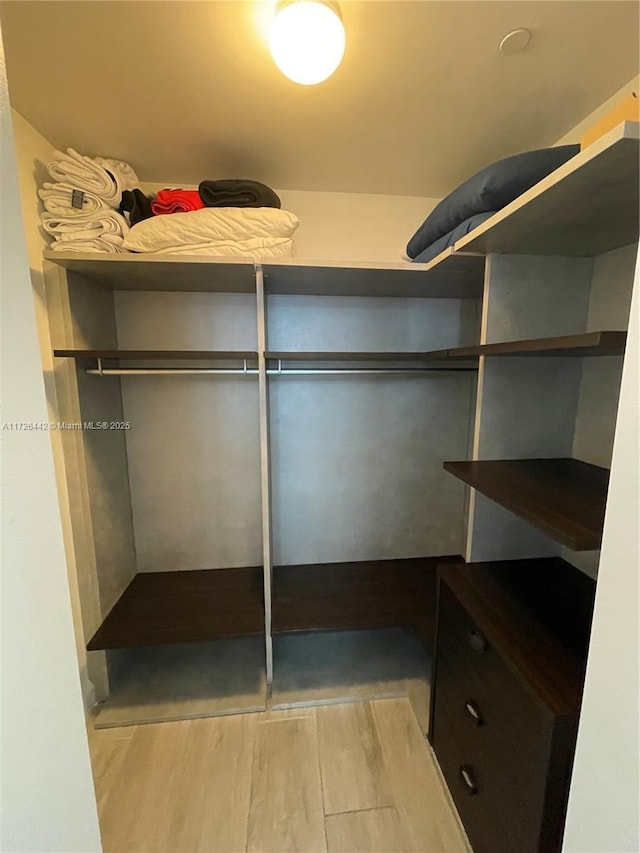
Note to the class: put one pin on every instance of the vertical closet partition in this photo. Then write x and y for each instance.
(187, 627)
(265, 470)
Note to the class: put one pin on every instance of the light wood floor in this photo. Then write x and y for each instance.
(355, 778)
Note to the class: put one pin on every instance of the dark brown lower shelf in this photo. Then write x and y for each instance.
(180, 607)
(370, 594)
(184, 607)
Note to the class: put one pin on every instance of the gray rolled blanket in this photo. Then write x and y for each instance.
(237, 192)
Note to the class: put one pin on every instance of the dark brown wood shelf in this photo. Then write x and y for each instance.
(583, 344)
(183, 607)
(160, 608)
(435, 355)
(155, 355)
(369, 594)
(578, 345)
(538, 614)
(565, 498)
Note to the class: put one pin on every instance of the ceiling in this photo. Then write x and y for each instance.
(187, 90)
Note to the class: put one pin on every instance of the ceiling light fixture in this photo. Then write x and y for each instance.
(307, 40)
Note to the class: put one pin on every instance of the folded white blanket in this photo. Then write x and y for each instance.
(122, 172)
(109, 243)
(57, 198)
(83, 173)
(106, 221)
(259, 248)
(228, 225)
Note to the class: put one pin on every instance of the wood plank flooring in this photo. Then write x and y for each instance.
(356, 778)
(286, 794)
(351, 764)
(363, 832)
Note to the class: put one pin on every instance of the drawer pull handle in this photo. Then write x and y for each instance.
(477, 641)
(466, 774)
(474, 713)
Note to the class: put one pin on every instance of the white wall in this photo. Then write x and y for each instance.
(603, 812)
(48, 802)
(347, 226)
(574, 135)
(33, 152)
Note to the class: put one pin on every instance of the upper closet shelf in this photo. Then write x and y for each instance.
(160, 272)
(565, 498)
(341, 278)
(453, 261)
(295, 276)
(586, 207)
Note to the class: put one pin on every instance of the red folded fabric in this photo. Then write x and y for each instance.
(176, 201)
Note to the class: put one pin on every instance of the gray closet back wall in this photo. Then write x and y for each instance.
(193, 446)
(356, 461)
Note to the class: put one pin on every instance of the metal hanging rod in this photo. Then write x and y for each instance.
(364, 371)
(245, 370)
(170, 371)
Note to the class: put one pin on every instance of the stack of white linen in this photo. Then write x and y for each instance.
(254, 232)
(80, 208)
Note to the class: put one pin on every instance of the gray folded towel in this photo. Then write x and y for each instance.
(237, 192)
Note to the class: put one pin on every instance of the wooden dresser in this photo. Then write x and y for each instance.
(511, 650)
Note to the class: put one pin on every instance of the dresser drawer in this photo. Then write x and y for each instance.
(486, 831)
(490, 734)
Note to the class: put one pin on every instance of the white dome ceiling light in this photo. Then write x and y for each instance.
(307, 40)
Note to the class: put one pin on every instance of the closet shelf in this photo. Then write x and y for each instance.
(357, 595)
(159, 608)
(452, 261)
(586, 207)
(286, 276)
(159, 272)
(342, 278)
(565, 498)
(583, 344)
(184, 607)
(156, 355)
(436, 355)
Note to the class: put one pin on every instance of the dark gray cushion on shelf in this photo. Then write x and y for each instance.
(449, 239)
(490, 189)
